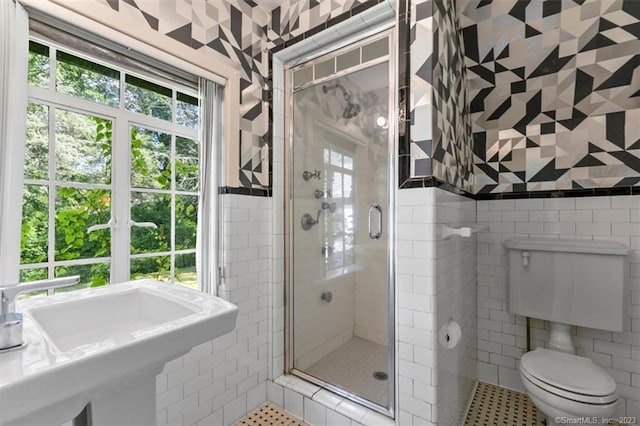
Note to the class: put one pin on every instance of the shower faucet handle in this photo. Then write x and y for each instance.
(307, 221)
(319, 194)
(306, 175)
(329, 206)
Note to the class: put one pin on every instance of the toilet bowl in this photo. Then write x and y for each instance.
(565, 386)
(563, 282)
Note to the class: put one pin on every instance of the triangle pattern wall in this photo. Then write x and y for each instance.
(440, 121)
(554, 89)
(234, 32)
(237, 32)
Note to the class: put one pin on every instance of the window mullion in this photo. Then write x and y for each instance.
(52, 170)
(52, 192)
(173, 202)
(122, 91)
(52, 68)
(174, 112)
(120, 194)
(121, 190)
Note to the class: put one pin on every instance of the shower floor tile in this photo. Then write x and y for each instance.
(351, 367)
(494, 405)
(269, 414)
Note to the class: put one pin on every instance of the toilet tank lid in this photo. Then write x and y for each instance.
(568, 246)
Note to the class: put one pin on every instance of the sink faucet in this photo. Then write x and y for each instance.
(11, 321)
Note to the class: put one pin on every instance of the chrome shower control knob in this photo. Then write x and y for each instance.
(329, 206)
(307, 221)
(327, 296)
(306, 175)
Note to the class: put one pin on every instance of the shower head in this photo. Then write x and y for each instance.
(351, 109)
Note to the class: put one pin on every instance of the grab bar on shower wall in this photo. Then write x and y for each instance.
(462, 231)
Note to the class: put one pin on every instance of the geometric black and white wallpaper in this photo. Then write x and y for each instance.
(231, 31)
(452, 152)
(421, 81)
(553, 86)
(237, 32)
(440, 121)
(292, 18)
(554, 93)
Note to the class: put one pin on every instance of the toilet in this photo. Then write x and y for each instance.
(561, 281)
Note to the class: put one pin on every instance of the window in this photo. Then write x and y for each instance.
(339, 167)
(111, 181)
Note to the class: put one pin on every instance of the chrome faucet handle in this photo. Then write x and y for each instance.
(10, 321)
(306, 175)
(9, 293)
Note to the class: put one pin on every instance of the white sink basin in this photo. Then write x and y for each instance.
(108, 319)
(103, 347)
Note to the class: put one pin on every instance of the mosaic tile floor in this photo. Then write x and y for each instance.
(496, 406)
(351, 367)
(269, 414)
(493, 405)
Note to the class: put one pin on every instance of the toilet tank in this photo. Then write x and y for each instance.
(572, 282)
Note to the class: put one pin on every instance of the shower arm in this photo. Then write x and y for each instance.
(346, 95)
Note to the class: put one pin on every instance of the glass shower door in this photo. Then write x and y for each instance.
(339, 212)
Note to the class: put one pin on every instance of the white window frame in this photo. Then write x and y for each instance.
(100, 19)
(343, 201)
(120, 187)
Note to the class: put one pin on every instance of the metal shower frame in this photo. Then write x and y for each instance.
(357, 40)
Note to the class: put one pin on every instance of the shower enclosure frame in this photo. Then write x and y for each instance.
(331, 50)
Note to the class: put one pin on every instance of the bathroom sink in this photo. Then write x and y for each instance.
(104, 347)
(110, 319)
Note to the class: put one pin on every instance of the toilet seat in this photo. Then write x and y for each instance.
(568, 376)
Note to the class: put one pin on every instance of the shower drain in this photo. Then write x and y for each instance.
(380, 375)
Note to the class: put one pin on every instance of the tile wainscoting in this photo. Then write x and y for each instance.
(502, 336)
(220, 381)
(436, 282)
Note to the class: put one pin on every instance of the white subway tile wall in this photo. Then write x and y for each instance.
(416, 293)
(318, 407)
(436, 283)
(220, 381)
(502, 336)
(456, 300)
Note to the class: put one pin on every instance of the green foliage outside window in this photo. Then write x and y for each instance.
(83, 154)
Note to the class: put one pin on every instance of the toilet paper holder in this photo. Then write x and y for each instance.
(462, 231)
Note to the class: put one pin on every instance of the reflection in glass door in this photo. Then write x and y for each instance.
(339, 160)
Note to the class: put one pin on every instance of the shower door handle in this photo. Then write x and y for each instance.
(375, 235)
